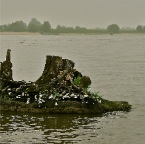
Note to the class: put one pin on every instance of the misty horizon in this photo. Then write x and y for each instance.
(27, 23)
(84, 13)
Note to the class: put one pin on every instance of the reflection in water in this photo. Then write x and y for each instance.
(43, 128)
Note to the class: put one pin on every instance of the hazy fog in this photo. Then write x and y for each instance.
(88, 13)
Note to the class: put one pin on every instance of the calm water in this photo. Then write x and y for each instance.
(116, 65)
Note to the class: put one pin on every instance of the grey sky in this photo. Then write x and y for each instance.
(87, 13)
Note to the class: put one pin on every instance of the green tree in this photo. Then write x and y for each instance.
(113, 28)
(18, 26)
(139, 28)
(60, 28)
(46, 27)
(34, 25)
(143, 28)
(81, 29)
(5, 28)
(1, 28)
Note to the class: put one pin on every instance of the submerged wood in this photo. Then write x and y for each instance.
(60, 89)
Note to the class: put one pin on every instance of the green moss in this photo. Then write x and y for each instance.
(65, 106)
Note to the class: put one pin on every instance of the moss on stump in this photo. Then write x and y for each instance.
(62, 107)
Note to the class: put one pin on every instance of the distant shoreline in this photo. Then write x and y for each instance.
(19, 33)
(37, 33)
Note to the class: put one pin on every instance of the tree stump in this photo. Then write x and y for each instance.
(55, 69)
(6, 70)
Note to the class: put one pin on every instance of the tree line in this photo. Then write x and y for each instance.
(45, 27)
(33, 26)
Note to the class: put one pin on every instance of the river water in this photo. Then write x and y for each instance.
(116, 65)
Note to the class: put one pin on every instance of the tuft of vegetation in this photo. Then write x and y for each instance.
(94, 95)
(77, 80)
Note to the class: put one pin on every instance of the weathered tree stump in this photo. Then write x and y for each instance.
(55, 67)
(60, 89)
(59, 74)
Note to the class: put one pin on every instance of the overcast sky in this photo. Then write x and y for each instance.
(87, 13)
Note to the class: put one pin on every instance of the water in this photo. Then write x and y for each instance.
(116, 65)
